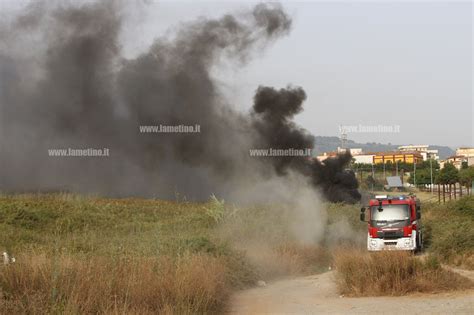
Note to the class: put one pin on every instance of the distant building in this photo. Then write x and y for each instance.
(466, 152)
(462, 155)
(376, 157)
(401, 156)
(456, 160)
(411, 147)
(470, 160)
(367, 158)
(353, 151)
(326, 155)
(423, 149)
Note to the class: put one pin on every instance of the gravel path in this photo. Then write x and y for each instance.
(318, 295)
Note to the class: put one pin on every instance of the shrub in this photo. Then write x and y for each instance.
(449, 232)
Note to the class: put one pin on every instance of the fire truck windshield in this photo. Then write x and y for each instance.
(390, 213)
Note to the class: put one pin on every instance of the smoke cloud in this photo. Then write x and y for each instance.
(64, 83)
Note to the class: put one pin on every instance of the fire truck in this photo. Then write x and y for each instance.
(394, 223)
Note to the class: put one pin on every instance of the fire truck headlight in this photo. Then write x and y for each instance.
(408, 243)
(373, 243)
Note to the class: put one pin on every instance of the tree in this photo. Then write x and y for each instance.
(426, 164)
(448, 175)
(466, 176)
(423, 177)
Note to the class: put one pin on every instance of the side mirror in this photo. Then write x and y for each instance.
(418, 215)
(362, 209)
(362, 217)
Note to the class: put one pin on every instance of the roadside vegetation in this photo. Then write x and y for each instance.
(392, 273)
(450, 231)
(77, 254)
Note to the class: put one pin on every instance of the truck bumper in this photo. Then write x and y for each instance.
(403, 243)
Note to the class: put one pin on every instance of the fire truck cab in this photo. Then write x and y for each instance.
(394, 223)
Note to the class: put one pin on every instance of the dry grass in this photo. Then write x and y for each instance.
(40, 285)
(392, 273)
(287, 259)
(303, 259)
(450, 231)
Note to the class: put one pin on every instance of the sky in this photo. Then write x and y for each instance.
(398, 63)
(361, 64)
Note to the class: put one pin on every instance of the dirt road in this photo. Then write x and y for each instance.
(318, 295)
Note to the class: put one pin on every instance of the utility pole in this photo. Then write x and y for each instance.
(384, 175)
(414, 173)
(431, 175)
(373, 176)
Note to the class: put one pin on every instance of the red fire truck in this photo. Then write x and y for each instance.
(393, 223)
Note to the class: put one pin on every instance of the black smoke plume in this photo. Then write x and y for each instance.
(273, 111)
(64, 83)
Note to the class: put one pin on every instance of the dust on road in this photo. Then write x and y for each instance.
(318, 295)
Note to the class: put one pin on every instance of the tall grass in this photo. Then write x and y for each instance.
(450, 231)
(80, 254)
(392, 273)
(186, 285)
(130, 256)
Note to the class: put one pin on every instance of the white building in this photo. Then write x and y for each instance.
(467, 152)
(456, 160)
(463, 155)
(470, 160)
(353, 151)
(423, 149)
(326, 155)
(364, 158)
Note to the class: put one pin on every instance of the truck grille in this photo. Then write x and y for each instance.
(392, 234)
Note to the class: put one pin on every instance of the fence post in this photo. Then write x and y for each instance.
(444, 191)
(439, 194)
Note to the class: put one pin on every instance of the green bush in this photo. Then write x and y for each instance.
(449, 231)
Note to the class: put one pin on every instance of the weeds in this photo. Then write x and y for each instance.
(134, 256)
(185, 285)
(216, 209)
(89, 255)
(450, 231)
(392, 273)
